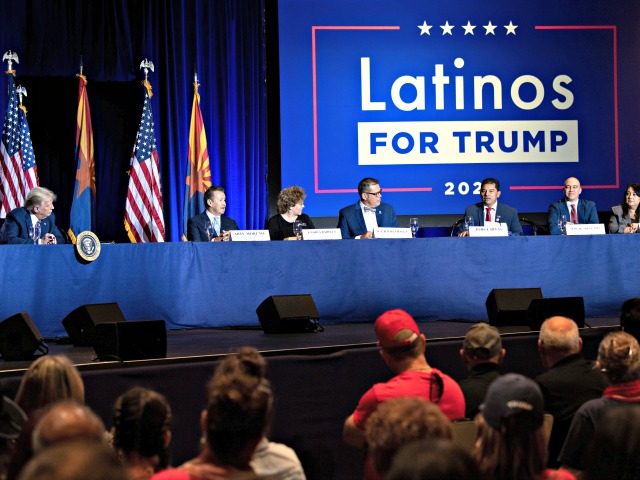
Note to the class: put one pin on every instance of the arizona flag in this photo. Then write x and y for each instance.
(198, 169)
(143, 217)
(84, 192)
(18, 170)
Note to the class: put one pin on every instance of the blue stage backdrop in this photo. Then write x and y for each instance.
(222, 39)
(431, 97)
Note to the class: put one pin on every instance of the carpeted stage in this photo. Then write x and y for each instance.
(317, 379)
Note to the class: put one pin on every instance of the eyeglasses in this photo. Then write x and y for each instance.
(377, 194)
(571, 187)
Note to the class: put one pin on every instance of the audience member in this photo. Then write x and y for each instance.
(12, 420)
(619, 360)
(435, 459)
(49, 379)
(75, 460)
(141, 431)
(614, 450)
(290, 205)
(489, 210)
(570, 379)
(212, 225)
(630, 317)
(359, 220)
(273, 460)
(402, 348)
(397, 422)
(511, 441)
(482, 353)
(66, 420)
(35, 222)
(571, 208)
(624, 217)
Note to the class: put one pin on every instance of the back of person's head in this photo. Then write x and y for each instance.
(559, 335)
(12, 420)
(399, 421)
(66, 420)
(482, 342)
(510, 435)
(239, 408)
(434, 459)
(141, 424)
(619, 357)
(630, 317)
(75, 460)
(398, 335)
(614, 452)
(49, 379)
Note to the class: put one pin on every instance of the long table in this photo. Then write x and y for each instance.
(220, 285)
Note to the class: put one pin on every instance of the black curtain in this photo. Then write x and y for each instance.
(223, 40)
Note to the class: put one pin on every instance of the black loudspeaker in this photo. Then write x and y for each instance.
(20, 338)
(508, 306)
(131, 340)
(289, 314)
(81, 323)
(543, 308)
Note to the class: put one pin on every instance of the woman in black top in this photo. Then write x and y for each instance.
(290, 205)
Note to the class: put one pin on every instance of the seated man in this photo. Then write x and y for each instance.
(359, 220)
(212, 225)
(488, 210)
(482, 353)
(574, 209)
(37, 213)
(402, 348)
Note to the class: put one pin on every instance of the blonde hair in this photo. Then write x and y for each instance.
(49, 379)
(619, 357)
(289, 197)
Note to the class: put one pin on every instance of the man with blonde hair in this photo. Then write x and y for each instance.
(35, 223)
(570, 379)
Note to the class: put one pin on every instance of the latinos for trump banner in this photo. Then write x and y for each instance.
(432, 97)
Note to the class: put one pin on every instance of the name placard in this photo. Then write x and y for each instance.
(391, 232)
(585, 229)
(490, 229)
(249, 235)
(321, 234)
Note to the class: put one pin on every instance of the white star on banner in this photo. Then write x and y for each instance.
(489, 28)
(468, 28)
(511, 28)
(425, 29)
(446, 28)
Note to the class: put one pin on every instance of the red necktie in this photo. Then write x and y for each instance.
(574, 214)
(487, 218)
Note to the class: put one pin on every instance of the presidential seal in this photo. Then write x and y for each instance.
(88, 246)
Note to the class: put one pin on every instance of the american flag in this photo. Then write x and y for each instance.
(18, 170)
(143, 218)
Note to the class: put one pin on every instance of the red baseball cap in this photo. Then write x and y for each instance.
(396, 328)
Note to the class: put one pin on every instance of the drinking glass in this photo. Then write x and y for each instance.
(297, 229)
(562, 224)
(468, 222)
(414, 225)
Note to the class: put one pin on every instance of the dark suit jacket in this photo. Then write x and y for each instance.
(16, 227)
(197, 227)
(508, 215)
(351, 221)
(587, 213)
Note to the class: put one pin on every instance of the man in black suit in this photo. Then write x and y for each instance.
(34, 223)
(212, 225)
(489, 210)
(570, 379)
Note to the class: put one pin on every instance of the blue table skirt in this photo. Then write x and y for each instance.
(220, 285)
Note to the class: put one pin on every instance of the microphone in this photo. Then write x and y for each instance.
(456, 224)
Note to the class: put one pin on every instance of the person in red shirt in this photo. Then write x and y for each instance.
(402, 347)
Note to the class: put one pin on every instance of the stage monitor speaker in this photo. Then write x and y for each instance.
(81, 323)
(543, 308)
(508, 306)
(289, 314)
(131, 340)
(20, 338)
